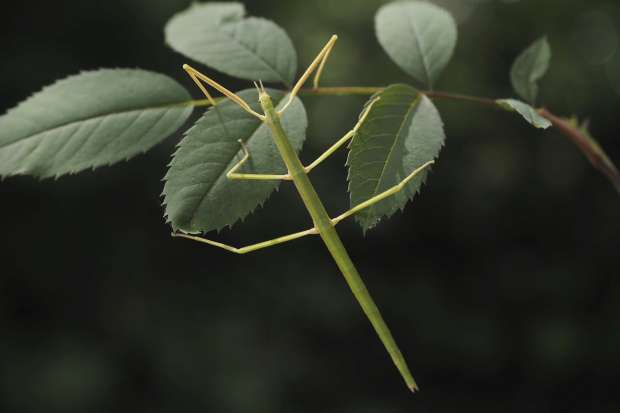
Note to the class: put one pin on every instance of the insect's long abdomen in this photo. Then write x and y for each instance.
(328, 233)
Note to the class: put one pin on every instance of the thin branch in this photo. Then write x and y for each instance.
(342, 91)
(199, 103)
(592, 151)
(463, 98)
(590, 148)
(369, 90)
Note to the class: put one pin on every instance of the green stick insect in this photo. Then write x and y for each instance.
(324, 226)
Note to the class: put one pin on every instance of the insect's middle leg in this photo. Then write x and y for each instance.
(347, 137)
(232, 174)
(380, 197)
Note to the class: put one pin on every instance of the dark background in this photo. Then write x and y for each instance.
(500, 282)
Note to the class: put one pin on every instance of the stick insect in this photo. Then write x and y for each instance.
(324, 226)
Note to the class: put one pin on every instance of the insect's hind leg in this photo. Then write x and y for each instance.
(249, 248)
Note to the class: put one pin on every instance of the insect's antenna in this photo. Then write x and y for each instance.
(197, 77)
(318, 61)
(260, 88)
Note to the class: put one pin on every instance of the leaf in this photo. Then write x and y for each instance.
(88, 120)
(529, 68)
(403, 131)
(419, 37)
(526, 111)
(218, 35)
(198, 196)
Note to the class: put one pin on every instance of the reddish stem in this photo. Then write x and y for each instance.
(590, 148)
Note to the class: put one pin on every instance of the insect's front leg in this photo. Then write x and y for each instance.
(232, 174)
(319, 62)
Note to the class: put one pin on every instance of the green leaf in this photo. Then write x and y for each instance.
(218, 35)
(89, 120)
(419, 37)
(526, 111)
(198, 196)
(529, 68)
(402, 132)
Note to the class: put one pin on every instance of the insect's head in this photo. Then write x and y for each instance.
(263, 97)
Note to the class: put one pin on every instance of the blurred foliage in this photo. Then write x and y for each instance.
(500, 282)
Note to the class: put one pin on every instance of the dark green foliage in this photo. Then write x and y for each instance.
(526, 111)
(218, 35)
(90, 120)
(420, 37)
(529, 68)
(99, 118)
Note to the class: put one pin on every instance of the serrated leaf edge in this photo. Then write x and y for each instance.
(261, 203)
(45, 88)
(239, 19)
(423, 176)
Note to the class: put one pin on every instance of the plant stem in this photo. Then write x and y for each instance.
(590, 148)
(202, 103)
(370, 90)
(327, 231)
(341, 91)
(463, 98)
